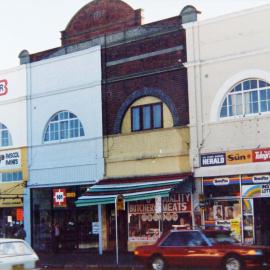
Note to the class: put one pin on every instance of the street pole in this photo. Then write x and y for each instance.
(116, 231)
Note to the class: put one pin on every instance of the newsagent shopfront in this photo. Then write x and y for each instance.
(239, 202)
(150, 209)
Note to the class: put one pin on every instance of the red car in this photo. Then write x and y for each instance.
(192, 248)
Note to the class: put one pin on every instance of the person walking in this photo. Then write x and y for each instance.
(56, 237)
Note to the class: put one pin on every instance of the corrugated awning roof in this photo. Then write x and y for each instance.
(132, 191)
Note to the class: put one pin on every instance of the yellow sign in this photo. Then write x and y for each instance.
(11, 194)
(120, 203)
(71, 195)
(235, 227)
(238, 157)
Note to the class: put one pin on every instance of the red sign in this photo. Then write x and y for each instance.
(19, 214)
(261, 155)
(59, 197)
(3, 87)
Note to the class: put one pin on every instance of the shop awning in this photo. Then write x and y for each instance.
(105, 192)
(11, 194)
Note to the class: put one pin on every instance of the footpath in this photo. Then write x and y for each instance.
(93, 261)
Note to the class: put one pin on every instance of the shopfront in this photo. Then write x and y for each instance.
(240, 204)
(56, 205)
(13, 177)
(151, 207)
(222, 206)
(146, 220)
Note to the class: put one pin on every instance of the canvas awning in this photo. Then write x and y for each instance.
(105, 192)
(11, 194)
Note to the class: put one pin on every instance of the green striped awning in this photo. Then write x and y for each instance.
(132, 191)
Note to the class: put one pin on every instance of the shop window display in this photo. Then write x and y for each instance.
(146, 225)
(75, 225)
(223, 215)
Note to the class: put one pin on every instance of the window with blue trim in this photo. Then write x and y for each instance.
(5, 138)
(251, 96)
(63, 125)
(11, 176)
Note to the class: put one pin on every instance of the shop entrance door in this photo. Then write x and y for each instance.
(262, 221)
(122, 229)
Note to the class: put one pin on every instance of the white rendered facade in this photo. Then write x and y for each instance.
(69, 83)
(220, 53)
(229, 126)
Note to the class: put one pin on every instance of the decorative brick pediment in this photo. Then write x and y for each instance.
(98, 18)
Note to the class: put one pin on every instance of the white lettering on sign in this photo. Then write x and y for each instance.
(213, 159)
(174, 203)
(223, 223)
(221, 181)
(3, 87)
(10, 159)
(260, 179)
(265, 190)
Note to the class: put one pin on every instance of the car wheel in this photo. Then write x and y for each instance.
(232, 263)
(157, 263)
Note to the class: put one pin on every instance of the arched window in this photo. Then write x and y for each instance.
(251, 96)
(5, 138)
(63, 125)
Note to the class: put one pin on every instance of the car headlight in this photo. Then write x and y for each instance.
(255, 252)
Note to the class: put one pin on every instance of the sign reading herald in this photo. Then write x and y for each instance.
(213, 159)
(3, 87)
(235, 157)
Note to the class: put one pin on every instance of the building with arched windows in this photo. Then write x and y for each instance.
(108, 110)
(229, 98)
(13, 148)
(65, 143)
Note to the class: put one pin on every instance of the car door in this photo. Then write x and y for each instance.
(172, 249)
(198, 251)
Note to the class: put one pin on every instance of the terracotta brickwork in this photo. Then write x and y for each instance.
(100, 17)
(135, 57)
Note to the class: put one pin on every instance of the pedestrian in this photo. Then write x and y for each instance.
(20, 234)
(56, 237)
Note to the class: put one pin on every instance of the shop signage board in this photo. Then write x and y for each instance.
(3, 87)
(261, 179)
(221, 181)
(265, 190)
(59, 197)
(261, 155)
(10, 159)
(215, 159)
(95, 227)
(238, 157)
(120, 203)
(256, 191)
(235, 157)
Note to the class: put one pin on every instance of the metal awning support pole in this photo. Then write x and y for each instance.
(116, 232)
(100, 243)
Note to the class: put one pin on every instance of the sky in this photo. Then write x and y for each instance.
(35, 25)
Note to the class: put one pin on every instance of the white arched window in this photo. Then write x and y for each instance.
(5, 138)
(63, 125)
(250, 96)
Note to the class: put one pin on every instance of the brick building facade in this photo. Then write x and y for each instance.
(142, 69)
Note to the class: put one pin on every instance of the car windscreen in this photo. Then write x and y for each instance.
(14, 249)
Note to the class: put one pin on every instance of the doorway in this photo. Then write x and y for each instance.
(122, 228)
(262, 221)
